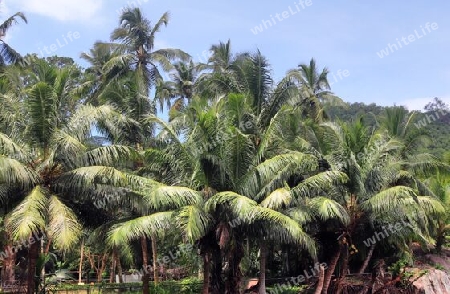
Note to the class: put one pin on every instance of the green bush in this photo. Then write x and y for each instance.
(185, 286)
(191, 285)
(290, 290)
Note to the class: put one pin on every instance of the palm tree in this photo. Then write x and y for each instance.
(314, 89)
(60, 159)
(156, 216)
(250, 74)
(16, 178)
(439, 184)
(96, 80)
(221, 77)
(181, 87)
(7, 54)
(313, 79)
(136, 49)
(400, 125)
(222, 57)
(379, 191)
(303, 196)
(233, 171)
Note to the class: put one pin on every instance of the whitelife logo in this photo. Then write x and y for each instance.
(391, 48)
(265, 24)
(26, 243)
(384, 234)
(68, 38)
(432, 117)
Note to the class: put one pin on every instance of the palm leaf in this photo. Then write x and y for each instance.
(326, 209)
(170, 197)
(278, 199)
(63, 228)
(148, 226)
(193, 222)
(29, 216)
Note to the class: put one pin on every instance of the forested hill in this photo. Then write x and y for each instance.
(433, 121)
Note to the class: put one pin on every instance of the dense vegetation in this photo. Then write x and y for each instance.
(219, 173)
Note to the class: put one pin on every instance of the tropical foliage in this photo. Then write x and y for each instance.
(238, 176)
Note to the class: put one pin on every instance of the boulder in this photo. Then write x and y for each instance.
(434, 282)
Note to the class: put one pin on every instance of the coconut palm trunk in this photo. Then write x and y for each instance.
(440, 240)
(119, 270)
(206, 272)
(262, 267)
(344, 269)
(33, 254)
(112, 270)
(367, 260)
(321, 280)
(155, 260)
(329, 273)
(233, 284)
(217, 285)
(145, 276)
(116, 257)
(80, 267)
(8, 265)
(8, 261)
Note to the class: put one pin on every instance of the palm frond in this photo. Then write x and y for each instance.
(29, 216)
(170, 197)
(431, 205)
(63, 226)
(283, 228)
(278, 199)
(271, 174)
(238, 205)
(326, 209)
(9, 148)
(6, 25)
(316, 184)
(148, 226)
(193, 222)
(109, 155)
(394, 199)
(14, 173)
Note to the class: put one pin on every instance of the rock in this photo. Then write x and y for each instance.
(442, 260)
(434, 282)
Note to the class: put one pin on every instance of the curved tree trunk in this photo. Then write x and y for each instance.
(285, 269)
(8, 265)
(262, 267)
(330, 271)
(206, 272)
(321, 280)
(155, 260)
(112, 270)
(103, 260)
(80, 267)
(344, 269)
(118, 264)
(33, 254)
(146, 274)
(8, 261)
(440, 240)
(367, 260)
(47, 247)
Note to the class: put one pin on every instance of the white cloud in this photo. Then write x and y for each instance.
(62, 10)
(419, 103)
(4, 9)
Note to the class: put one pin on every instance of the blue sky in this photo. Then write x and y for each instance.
(346, 35)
